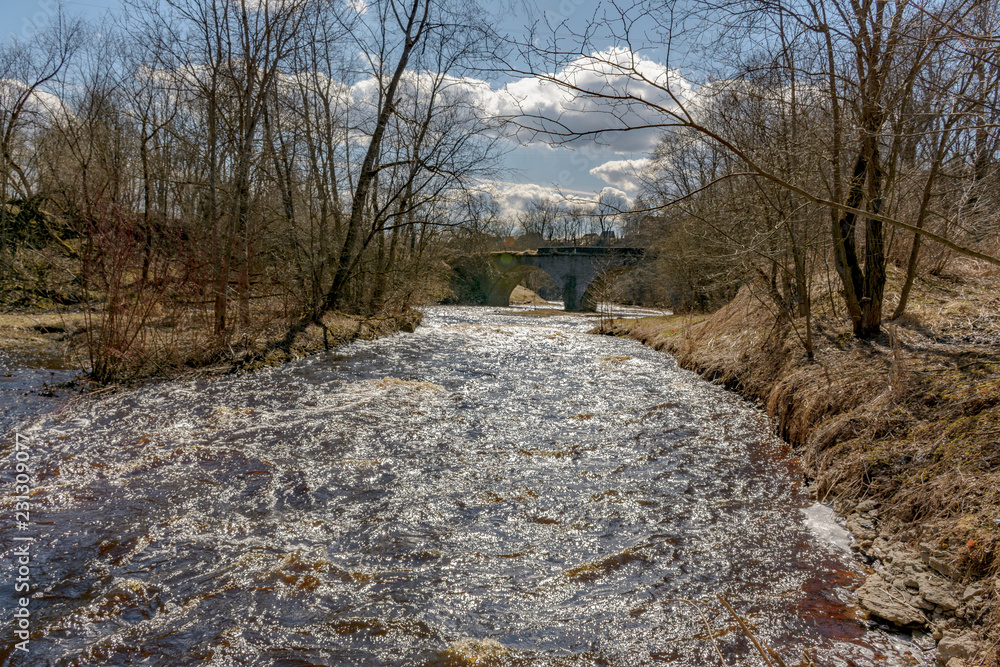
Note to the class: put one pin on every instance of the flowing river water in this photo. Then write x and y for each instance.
(493, 489)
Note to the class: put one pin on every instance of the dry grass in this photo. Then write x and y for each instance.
(177, 343)
(41, 335)
(910, 420)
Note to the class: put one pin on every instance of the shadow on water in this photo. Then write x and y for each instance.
(489, 490)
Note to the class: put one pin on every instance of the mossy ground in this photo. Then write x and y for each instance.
(910, 420)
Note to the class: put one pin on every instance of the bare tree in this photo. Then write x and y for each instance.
(855, 65)
(437, 139)
(27, 73)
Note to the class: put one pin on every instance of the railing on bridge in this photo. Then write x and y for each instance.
(592, 251)
(586, 251)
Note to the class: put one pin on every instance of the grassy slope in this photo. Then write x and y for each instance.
(909, 422)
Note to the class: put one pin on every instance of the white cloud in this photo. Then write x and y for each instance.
(38, 105)
(615, 90)
(624, 174)
(516, 198)
(612, 200)
(359, 6)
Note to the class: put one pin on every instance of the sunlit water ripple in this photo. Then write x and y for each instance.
(493, 487)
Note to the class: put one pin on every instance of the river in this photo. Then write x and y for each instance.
(493, 489)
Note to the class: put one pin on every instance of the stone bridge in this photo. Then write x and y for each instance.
(581, 272)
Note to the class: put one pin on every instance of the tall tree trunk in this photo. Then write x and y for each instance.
(346, 258)
(845, 254)
(219, 238)
(911, 263)
(147, 205)
(874, 283)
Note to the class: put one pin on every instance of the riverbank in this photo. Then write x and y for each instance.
(59, 339)
(40, 335)
(900, 433)
(566, 487)
(335, 329)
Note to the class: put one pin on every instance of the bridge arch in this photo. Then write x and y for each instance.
(500, 292)
(583, 273)
(599, 285)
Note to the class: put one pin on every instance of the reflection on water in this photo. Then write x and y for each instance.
(30, 384)
(492, 489)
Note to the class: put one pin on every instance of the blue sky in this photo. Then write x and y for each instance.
(568, 169)
(18, 16)
(542, 170)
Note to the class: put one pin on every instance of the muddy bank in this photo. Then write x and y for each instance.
(58, 341)
(900, 433)
(335, 329)
(44, 336)
(35, 366)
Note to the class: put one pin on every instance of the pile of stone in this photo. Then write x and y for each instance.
(920, 590)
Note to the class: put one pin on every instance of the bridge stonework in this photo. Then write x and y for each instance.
(581, 272)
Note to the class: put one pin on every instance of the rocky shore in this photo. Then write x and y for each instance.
(921, 589)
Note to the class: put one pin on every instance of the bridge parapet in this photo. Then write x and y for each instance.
(588, 251)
